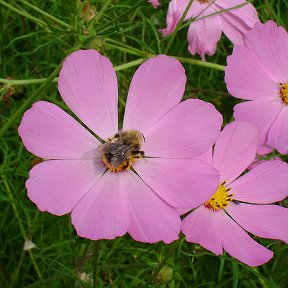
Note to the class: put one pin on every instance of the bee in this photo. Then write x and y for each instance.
(121, 151)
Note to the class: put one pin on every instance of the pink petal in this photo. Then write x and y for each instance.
(239, 244)
(206, 156)
(264, 150)
(49, 132)
(270, 43)
(238, 21)
(214, 230)
(200, 227)
(151, 219)
(247, 78)
(278, 136)
(203, 34)
(157, 86)
(88, 85)
(188, 130)
(267, 221)
(182, 183)
(235, 149)
(266, 183)
(175, 11)
(155, 3)
(103, 213)
(260, 113)
(57, 186)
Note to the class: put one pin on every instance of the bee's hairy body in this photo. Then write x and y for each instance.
(120, 152)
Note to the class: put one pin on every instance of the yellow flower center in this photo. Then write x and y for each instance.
(220, 198)
(284, 93)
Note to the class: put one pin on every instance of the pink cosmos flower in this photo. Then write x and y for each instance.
(155, 3)
(241, 202)
(206, 30)
(142, 196)
(258, 72)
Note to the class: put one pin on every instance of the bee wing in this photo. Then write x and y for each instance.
(120, 154)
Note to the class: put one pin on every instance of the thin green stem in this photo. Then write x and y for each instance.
(13, 82)
(102, 11)
(138, 4)
(3, 72)
(172, 37)
(200, 63)
(47, 15)
(164, 260)
(14, 207)
(123, 49)
(128, 47)
(29, 101)
(129, 64)
(25, 14)
(212, 14)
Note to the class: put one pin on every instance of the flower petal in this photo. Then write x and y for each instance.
(278, 136)
(151, 219)
(269, 43)
(267, 221)
(247, 78)
(103, 213)
(188, 130)
(57, 186)
(49, 132)
(264, 184)
(235, 149)
(182, 183)
(206, 156)
(157, 86)
(200, 227)
(238, 21)
(214, 230)
(88, 85)
(260, 113)
(175, 11)
(204, 34)
(155, 3)
(239, 244)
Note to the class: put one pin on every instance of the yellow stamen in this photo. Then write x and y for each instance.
(220, 198)
(284, 93)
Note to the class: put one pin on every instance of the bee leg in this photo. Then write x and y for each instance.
(138, 154)
(127, 164)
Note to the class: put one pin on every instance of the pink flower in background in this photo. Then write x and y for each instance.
(258, 71)
(204, 33)
(155, 3)
(241, 202)
(76, 178)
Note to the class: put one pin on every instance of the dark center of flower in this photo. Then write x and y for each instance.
(220, 198)
(121, 151)
(203, 1)
(284, 92)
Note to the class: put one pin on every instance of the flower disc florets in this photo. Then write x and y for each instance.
(284, 93)
(220, 198)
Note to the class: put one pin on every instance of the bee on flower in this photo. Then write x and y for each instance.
(135, 177)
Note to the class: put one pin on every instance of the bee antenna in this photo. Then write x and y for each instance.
(143, 137)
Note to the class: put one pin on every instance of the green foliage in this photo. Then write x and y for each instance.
(35, 36)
